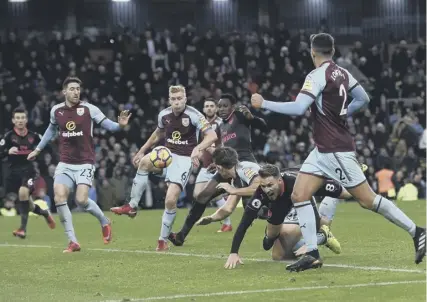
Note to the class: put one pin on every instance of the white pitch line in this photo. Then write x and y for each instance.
(272, 290)
(107, 250)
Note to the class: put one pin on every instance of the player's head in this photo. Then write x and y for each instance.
(225, 160)
(322, 46)
(71, 90)
(226, 105)
(209, 108)
(177, 98)
(19, 118)
(270, 181)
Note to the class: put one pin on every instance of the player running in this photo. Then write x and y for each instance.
(74, 120)
(326, 90)
(233, 177)
(16, 145)
(210, 109)
(180, 125)
(283, 231)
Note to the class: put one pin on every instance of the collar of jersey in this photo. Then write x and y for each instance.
(72, 107)
(282, 188)
(327, 61)
(181, 113)
(229, 117)
(17, 132)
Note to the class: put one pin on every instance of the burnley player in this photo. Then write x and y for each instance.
(180, 125)
(283, 231)
(326, 91)
(210, 109)
(74, 120)
(16, 145)
(237, 178)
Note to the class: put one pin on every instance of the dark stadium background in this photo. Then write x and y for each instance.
(214, 47)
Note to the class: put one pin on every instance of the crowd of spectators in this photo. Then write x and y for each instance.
(128, 71)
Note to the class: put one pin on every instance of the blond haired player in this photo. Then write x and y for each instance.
(180, 125)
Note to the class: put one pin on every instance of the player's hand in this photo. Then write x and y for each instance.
(257, 100)
(13, 151)
(227, 188)
(246, 112)
(232, 261)
(195, 155)
(123, 118)
(137, 158)
(33, 155)
(205, 220)
(211, 168)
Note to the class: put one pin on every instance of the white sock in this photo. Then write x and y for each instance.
(66, 220)
(219, 204)
(307, 222)
(94, 209)
(395, 215)
(328, 207)
(321, 239)
(168, 219)
(138, 187)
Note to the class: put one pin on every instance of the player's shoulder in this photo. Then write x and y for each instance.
(192, 112)
(247, 168)
(57, 107)
(165, 111)
(7, 134)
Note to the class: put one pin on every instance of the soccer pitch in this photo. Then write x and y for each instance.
(377, 262)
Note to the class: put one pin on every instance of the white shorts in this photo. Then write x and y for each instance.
(292, 217)
(71, 175)
(178, 171)
(203, 176)
(341, 166)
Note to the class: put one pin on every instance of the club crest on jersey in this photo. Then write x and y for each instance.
(31, 140)
(80, 111)
(185, 121)
(249, 173)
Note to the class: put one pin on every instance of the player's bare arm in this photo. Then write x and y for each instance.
(247, 191)
(154, 138)
(223, 212)
(209, 138)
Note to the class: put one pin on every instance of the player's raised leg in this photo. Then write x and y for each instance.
(90, 206)
(145, 167)
(370, 200)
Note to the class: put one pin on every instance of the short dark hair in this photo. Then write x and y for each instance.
(323, 43)
(226, 157)
(229, 97)
(269, 170)
(210, 100)
(18, 110)
(69, 80)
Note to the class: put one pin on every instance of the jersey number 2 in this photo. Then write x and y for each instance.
(343, 94)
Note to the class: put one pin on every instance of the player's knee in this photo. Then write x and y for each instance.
(24, 193)
(61, 194)
(170, 203)
(298, 197)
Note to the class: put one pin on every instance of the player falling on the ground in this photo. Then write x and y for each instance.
(283, 231)
(326, 90)
(180, 125)
(233, 177)
(16, 145)
(74, 119)
(210, 109)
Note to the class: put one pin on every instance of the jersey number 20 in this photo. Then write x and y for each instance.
(343, 93)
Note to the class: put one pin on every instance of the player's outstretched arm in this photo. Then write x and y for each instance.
(299, 107)
(360, 99)
(49, 134)
(248, 217)
(247, 191)
(223, 212)
(122, 120)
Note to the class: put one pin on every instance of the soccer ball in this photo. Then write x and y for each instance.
(161, 157)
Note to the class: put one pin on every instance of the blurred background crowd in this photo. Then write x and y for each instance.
(131, 70)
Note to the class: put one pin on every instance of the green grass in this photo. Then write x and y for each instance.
(35, 269)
